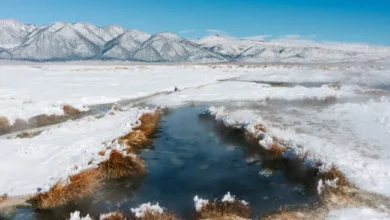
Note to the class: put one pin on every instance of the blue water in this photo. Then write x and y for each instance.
(191, 156)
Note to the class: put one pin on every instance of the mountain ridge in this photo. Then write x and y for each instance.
(62, 41)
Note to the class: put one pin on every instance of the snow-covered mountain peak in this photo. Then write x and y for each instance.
(56, 26)
(215, 38)
(166, 35)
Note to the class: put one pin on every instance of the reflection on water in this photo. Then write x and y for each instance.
(192, 156)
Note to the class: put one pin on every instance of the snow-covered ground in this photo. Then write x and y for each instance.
(340, 114)
(357, 213)
(27, 91)
(29, 164)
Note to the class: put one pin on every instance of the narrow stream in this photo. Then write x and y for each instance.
(191, 157)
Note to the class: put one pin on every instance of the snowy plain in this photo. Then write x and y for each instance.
(339, 113)
(60, 151)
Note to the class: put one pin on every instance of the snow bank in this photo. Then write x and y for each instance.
(251, 92)
(199, 203)
(332, 75)
(76, 216)
(147, 207)
(28, 165)
(357, 213)
(353, 136)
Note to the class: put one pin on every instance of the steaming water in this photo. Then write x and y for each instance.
(191, 157)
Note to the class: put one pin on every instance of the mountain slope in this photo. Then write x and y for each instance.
(59, 41)
(124, 46)
(13, 33)
(168, 47)
(82, 41)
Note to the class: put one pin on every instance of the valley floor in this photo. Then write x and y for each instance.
(340, 114)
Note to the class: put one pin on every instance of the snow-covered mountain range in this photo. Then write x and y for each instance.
(62, 41)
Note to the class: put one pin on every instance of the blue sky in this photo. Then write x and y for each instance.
(366, 21)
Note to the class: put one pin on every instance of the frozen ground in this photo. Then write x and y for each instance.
(340, 114)
(26, 90)
(357, 213)
(62, 150)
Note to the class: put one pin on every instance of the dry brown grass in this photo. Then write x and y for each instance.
(134, 140)
(102, 153)
(158, 216)
(28, 134)
(119, 166)
(80, 185)
(113, 216)
(44, 120)
(4, 125)
(219, 210)
(276, 150)
(140, 136)
(261, 127)
(149, 123)
(286, 215)
(335, 173)
(70, 110)
(3, 198)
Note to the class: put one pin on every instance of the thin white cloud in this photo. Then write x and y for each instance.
(216, 31)
(257, 37)
(187, 31)
(296, 39)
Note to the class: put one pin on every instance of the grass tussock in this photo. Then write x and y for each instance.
(335, 173)
(44, 120)
(276, 150)
(261, 127)
(141, 135)
(134, 140)
(4, 125)
(149, 123)
(70, 110)
(3, 198)
(28, 134)
(80, 185)
(221, 210)
(285, 215)
(119, 166)
(148, 215)
(113, 216)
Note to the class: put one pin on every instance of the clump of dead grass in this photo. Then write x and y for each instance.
(261, 127)
(119, 166)
(221, 210)
(80, 185)
(71, 111)
(3, 198)
(28, 134)
(134, 140)
(113, 216)
(276, 150)
(44, 120)
(287, 215)
(4, 125)
(149, 215)
(141, 135)
(334, 173)
(149, 123)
